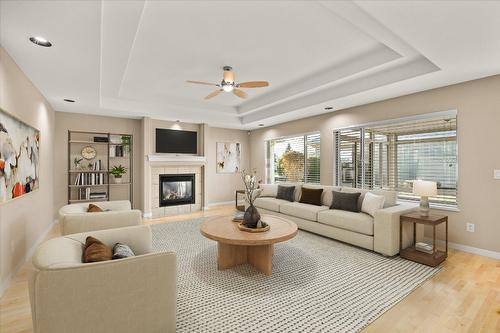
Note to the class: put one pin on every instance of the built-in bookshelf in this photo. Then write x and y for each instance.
(91, 157)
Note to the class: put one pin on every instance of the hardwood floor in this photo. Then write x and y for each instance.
(463, 297)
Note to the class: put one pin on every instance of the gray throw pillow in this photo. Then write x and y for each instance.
(345, 201)
(121, 251)
(286, 193)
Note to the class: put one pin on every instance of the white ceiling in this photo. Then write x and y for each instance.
(132, 58)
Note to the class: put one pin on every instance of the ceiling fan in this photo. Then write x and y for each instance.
(228, 84)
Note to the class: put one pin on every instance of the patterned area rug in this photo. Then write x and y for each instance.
(318, 285)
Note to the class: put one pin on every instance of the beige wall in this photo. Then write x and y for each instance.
(478, 106)
(25, 220)
(221, 186)
(79, 122)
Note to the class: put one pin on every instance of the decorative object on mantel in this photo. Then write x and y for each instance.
(424, 189)
(19, 157)
(118, 172)
(228, 157)
(252, 216)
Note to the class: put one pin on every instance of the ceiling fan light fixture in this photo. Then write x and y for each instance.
(228, 74)
(227, 87)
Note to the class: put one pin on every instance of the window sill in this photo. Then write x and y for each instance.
(435, 206)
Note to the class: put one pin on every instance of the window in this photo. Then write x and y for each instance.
(393, 155)
(294, 159)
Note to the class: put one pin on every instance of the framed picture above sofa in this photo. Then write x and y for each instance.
(19, 157)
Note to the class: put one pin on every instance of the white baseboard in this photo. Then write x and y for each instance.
(466, 248)
(224, 203)
(6, 282)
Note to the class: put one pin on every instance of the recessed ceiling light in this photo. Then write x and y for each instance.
(329, 108)
(261, 125)
(40, 41)
(69, 100)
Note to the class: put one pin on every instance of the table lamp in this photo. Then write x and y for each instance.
(424, 189)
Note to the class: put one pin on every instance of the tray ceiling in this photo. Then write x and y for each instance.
(132, 58)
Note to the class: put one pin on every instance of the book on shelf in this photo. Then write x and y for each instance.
(91, 178)
(116, 151)
(424, 247)
(86, 194)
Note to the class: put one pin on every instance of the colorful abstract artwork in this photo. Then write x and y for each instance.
(228, 157)
(19, 157)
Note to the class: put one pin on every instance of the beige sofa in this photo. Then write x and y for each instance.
(136, 294)
(379, 233)
(74, 218)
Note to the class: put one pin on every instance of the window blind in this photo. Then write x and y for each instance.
(294, 159)
(312, 158)
(392, 156)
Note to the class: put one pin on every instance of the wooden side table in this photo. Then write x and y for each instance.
(431, 259)
(241, 208)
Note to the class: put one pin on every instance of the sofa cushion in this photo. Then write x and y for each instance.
(346, 201)
(311, 196)
(356, 222)
(302, 210)
(372, 203)
(268, 190)
(391, 197)
(286, 193)
(269, 203)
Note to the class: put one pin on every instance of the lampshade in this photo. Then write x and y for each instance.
(424, 188)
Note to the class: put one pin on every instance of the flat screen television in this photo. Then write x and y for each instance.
(176, 141)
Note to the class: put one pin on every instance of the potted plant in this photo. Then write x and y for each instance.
(126, 142)
(118, 171)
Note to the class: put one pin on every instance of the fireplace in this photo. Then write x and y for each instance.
(177, 190)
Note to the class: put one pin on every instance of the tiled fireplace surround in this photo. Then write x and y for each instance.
(156, 171)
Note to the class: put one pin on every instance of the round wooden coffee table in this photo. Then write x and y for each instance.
(236, 247)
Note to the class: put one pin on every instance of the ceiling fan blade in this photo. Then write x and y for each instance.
(201, 82)
(213, 94)
(240, 93)
(253, 84)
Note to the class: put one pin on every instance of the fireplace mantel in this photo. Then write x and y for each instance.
(178, 159)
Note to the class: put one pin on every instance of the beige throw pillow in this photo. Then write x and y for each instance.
(372, 203)
(268, 190)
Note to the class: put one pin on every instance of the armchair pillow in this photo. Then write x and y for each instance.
(372, 203)
(286, 193)
(94, 209)
(95, 251)
(311, 196)
(345, 201)
(121, 251)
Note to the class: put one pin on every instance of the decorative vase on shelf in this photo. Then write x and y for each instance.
(118, 180)
(251, 217)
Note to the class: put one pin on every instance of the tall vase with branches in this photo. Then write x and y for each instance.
(252, 216)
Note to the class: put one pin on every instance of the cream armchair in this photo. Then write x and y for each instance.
(136, 294)
(74, 218)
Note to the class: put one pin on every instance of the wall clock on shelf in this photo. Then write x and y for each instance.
(89, 153)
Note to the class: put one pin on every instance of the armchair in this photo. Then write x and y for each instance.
(74, 218)
(136, 294)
